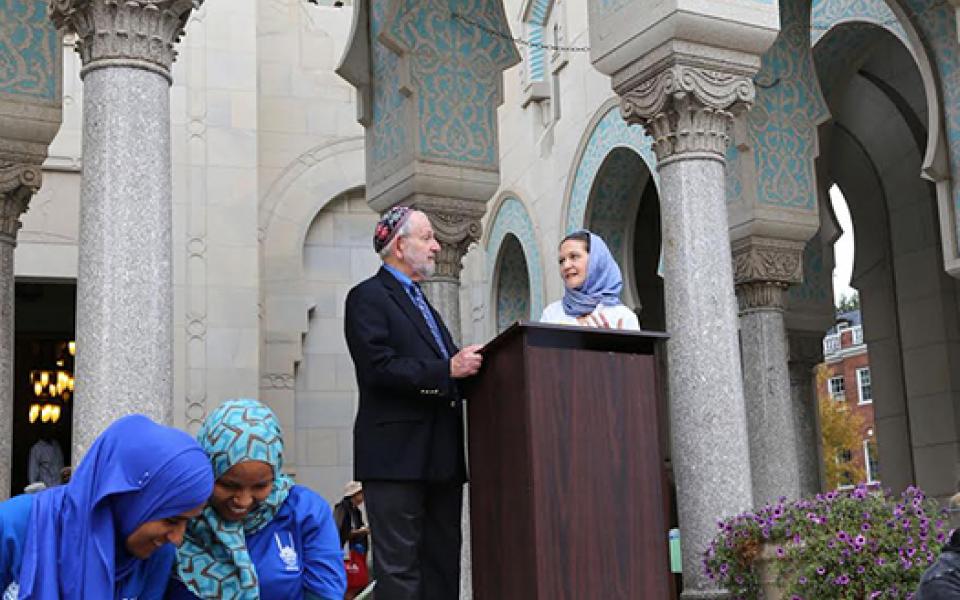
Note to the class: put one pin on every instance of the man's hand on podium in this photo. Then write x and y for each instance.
(466, 362)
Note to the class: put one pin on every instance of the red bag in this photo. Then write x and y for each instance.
(358, 577)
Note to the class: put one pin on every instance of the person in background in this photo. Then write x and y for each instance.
(261, 536)
(110, 531)
(355, 535)
(941, 580)
(592, 285)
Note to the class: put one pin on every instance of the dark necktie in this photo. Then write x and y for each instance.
(421, 303)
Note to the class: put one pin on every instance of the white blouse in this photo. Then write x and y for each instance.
(554, 314)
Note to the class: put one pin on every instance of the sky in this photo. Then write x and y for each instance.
(843, 248)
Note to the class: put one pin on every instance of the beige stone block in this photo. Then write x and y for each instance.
(325, 263)
(243, 110)
(322, 447)
(232, 306)
(232, 266)
(324, 300)
(321, 229)
(317, 372)
(325, 337)
(235, 348)
(231, 148)
(325, 409)
(232, 226)
(353, 229)
(276, 79)
(223, 384)
(283, 115)
(229, 70)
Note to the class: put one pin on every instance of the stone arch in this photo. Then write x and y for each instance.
(511, 284)
(943, 127)
(606, 132)
(874, 151)
(511, 218)
(288, 209)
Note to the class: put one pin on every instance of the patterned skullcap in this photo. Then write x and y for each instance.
(388, 226)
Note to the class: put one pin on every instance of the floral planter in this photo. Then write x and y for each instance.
(768, 572)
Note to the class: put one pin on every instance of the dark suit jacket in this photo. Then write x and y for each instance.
(410, 421)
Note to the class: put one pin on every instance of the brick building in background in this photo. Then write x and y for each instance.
(847, 379)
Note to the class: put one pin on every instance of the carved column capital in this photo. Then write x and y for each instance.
(686, 109)
(18, 183)
(767, 259)
(763, 268)
(133, 33)
(456, 224)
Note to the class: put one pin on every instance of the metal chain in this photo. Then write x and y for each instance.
(468, 21)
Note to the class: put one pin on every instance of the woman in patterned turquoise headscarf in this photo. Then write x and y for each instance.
(261, 536)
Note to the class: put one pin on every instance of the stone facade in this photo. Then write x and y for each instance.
(275, 185)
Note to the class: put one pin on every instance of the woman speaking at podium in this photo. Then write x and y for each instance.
(592, 284)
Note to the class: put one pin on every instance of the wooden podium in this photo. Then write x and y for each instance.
(567, 496)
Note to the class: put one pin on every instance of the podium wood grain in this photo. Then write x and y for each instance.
(567, 488)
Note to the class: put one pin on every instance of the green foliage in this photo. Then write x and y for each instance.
(848, 303)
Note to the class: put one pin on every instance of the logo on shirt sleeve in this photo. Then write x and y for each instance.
(287, 553)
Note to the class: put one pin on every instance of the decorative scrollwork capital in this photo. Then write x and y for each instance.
(767, 259)
(139, 33)
(456, 225)
(18, 183)
(687, 108)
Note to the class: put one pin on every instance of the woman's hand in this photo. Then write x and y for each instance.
(598, 319)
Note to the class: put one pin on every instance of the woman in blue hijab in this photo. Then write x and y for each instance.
(592, 285)
(261, 536)
(108, 532)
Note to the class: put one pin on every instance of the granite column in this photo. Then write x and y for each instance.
(688, 112)
(125, 285)
(763, 270)
(18, 183)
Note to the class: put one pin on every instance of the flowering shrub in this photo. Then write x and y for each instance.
(856, 544)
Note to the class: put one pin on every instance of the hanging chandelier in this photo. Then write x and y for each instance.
(52, 388)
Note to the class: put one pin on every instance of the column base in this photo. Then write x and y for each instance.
(705, 595)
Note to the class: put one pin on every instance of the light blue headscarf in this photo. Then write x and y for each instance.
(602, 284)
(213, 561)
(136, 471)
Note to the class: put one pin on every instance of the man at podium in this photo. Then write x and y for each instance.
(408, 435)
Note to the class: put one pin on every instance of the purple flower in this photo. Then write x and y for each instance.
(821, 570)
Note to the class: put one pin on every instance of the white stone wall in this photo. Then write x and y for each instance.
(337, 254)
(216, 272)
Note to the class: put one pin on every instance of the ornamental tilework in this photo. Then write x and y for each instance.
(455, 71)
(614, 195)
(781, 128)
(512, 219)
(936, 23)
(827, 14)
(610, 133)
(29, 49)
(536, 53)
(513, 285)
(389, 147)
(815, 285)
